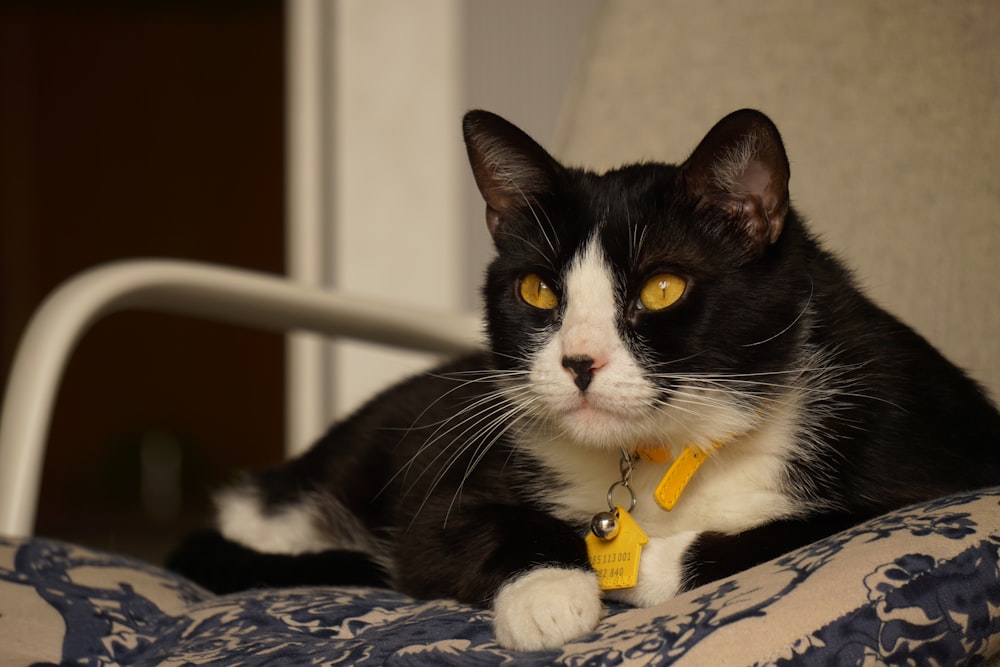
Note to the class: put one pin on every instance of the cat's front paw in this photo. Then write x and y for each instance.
(546, 608)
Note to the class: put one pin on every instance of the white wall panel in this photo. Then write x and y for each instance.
(397, 159)
(397, 216)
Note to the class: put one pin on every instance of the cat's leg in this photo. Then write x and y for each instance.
(289, 543)
(224, 566)
(670, 565)
(715, 556)
(529, 566)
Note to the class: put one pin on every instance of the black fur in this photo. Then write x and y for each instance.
(494, 526)
(234, 567)
(435, 470)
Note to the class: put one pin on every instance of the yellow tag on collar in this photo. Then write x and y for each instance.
(680, 472)
(616, 560)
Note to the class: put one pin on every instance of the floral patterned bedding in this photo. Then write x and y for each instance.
(916, 587)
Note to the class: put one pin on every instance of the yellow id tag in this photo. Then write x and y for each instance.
(616, 560)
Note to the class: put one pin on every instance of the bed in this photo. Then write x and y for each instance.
(916, 587)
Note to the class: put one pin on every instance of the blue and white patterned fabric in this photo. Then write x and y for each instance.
(920, 586)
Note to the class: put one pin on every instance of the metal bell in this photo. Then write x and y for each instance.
(604, 525)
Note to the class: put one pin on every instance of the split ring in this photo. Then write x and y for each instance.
(611, 495)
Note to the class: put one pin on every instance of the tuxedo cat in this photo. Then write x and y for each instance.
(669, 349)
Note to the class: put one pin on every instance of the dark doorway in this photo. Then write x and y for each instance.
(136, 129)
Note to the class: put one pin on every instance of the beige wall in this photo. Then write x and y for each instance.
(405, 221)
(890, 112)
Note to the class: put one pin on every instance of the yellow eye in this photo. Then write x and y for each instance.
(661, 291)
(536, 293)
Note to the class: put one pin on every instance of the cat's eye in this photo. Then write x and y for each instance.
(537, 293)
(661, 291)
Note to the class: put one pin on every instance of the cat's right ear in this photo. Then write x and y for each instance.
(510, 168)
(741, 169)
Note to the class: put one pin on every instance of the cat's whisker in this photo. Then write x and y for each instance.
(674, 406)
(706, 394)
(724, 394)
(496, 424)
(500, 395)
(538, 221)
(439, 432)
(803, 311)
(681, 360)
(523, 360)
(533, 246)
(810, 382)
(469, 412)
(479, 376)
(637, 238)
(486, 375)
(453, 456)
(495, 430)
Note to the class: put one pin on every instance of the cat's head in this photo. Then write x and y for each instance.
(649, 305)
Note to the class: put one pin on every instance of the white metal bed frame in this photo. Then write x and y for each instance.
(224, 294)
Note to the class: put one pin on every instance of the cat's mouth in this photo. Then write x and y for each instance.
(607, 404)
(588, 409)
(590, 420)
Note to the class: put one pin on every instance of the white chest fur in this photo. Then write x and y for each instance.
(743, 484)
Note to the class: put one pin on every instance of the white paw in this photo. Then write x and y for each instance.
(546, 608)
(660, 571)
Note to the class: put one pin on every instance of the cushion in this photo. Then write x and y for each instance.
(920, 586)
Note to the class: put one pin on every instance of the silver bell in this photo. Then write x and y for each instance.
(604, 525)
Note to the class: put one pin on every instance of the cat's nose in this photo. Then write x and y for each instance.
(581, 368)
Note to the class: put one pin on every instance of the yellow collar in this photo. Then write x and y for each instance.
(680, 472)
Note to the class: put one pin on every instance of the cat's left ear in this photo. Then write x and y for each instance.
(741, 168)
(510, 168)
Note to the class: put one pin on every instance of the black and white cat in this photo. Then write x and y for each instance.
(650, 314)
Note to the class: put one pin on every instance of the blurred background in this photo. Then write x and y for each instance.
(321, 139)
(136, 129)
